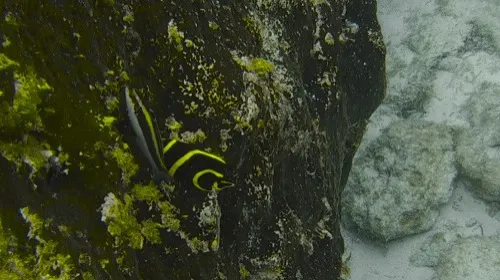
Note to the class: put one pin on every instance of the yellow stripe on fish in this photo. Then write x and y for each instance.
(198, 175)
(145, 134)
(205, 169)
(180, 161)
(154, 132)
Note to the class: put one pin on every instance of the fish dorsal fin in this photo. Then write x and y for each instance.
(151, 132)
(159, 141)
(145, 138)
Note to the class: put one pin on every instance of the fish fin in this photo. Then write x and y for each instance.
(123, 124)
(151, 132)
(159, 141)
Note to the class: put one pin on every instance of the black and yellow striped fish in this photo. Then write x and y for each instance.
(178, 161)
(202, 168)
(145, 140)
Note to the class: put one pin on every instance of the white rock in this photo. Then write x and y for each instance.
(472, 258)
(399, 180)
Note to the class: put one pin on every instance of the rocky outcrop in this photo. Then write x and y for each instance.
(400, 180)
(478, 148)
(280, 89)
(475, 257)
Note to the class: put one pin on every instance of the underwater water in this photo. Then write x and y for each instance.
(423, 197)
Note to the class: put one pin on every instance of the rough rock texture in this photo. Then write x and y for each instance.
(478, 155)
(399, 180)
(471, 258)
(478, 148)
(436, 246)
(281, 89)
(483, 106)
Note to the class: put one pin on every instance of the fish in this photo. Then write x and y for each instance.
(204, 169)
(176, 161)
(145, 135)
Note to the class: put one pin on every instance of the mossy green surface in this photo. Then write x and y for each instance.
(125, 161)
(260, 66)
(22, 114)
(13, 264)
(238, 79)
(21, 262)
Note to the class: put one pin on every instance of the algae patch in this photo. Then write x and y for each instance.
(20, 115)
(123, 225)
(43, 261)
(121, 222)
(175, 36)
(125, 161)
(260, 66)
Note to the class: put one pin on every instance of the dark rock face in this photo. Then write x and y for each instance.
(281, 89)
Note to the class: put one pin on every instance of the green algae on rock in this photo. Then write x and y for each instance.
(47, 263)
(281, 89)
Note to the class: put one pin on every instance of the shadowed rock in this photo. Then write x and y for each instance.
(280, 89)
